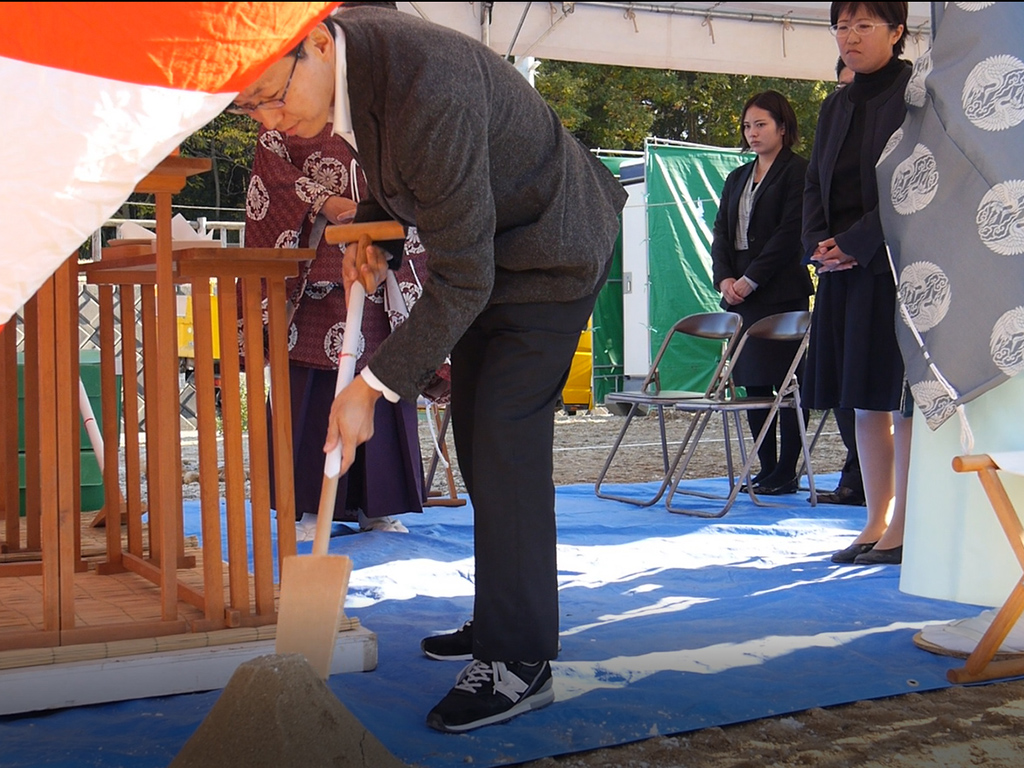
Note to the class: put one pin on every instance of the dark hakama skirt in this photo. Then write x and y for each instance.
(387, 476)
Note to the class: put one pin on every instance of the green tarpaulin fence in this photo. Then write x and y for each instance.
(683, 187)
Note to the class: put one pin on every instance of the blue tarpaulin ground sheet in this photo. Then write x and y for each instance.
(669, 623)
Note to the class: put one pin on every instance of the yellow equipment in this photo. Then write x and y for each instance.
(186, 333)
(578, 392)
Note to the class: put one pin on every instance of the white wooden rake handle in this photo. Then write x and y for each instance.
(346, 372)
(347, 363)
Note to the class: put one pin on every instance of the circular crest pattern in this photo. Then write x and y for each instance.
(890, 145)
(933, 400)
(926, 292)
(1007, 342)
(411, 292)
(1000, 218)
(916, 86)
(329, 172)
(993, 96)
(274, 141)
(289, 238)
(915, 181)
(413, 245)
(335, 338)
(319, 289)
(241, 337)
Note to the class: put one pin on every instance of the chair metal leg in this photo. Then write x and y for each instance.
(744, 474)
(807, 467)
(682, 463)
(633, 410)
(802, 469)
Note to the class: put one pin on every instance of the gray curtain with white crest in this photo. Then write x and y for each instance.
(954, 215)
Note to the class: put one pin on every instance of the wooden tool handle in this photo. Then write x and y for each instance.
(346, 372)
(325, 513)
(375, 230)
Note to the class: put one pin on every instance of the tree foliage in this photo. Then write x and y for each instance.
(229, 141)
(606, 107)
(618, 107)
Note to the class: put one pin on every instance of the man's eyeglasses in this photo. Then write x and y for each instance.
(862, 28)
(248, 109)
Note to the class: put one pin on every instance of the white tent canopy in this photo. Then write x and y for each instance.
(773, 39)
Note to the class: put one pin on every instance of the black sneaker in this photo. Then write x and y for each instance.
(455, 646)
(488, 693)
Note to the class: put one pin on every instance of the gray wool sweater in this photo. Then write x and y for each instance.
(510, 207)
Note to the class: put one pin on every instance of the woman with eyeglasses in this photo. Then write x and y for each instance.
(854, 360)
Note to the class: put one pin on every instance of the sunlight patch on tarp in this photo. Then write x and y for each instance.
(580, 677)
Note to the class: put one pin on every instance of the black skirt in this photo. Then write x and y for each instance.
(854, 360)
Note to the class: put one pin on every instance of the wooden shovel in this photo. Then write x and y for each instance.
(313, 587)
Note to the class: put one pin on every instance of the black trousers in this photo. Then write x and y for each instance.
(507, 372)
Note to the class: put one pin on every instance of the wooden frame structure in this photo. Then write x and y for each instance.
(980, 664)
(152, 558)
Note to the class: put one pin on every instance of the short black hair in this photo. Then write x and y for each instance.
(776, 105)
(893, 14)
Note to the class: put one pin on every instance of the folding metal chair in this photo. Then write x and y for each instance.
(782, 327)
(802, 469)
(980, 665)
(723, 327)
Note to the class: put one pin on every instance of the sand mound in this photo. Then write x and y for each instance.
(276, 712)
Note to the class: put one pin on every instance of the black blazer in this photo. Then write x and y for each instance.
(774, 258)
(863, 241)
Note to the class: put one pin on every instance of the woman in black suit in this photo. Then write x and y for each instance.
(854, 360)
(758, 267)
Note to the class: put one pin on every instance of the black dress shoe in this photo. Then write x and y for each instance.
(755, 481)
(842, 495)
(852, 552)
(892, 556)
(770, 487)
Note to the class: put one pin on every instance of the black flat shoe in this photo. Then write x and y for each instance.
(755, 481)
(771, 488)
(852, 552)
(841, 495)
(892, 556)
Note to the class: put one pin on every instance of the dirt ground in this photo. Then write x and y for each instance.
(960, 726)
